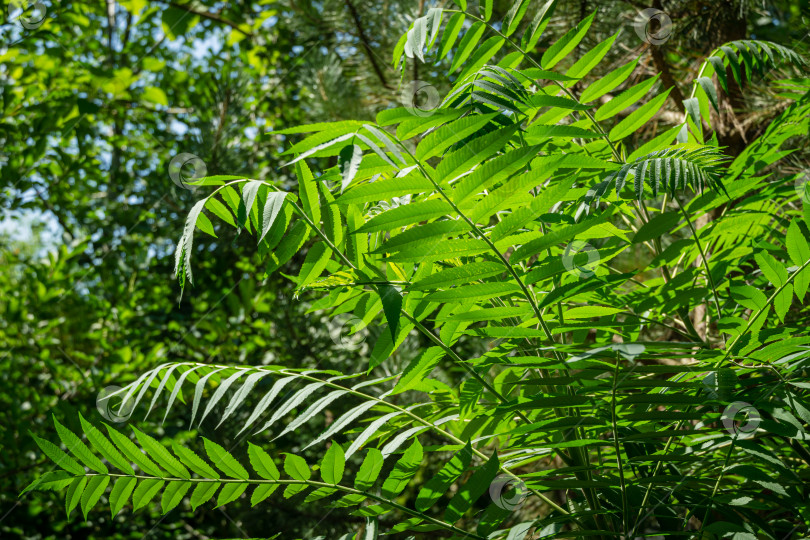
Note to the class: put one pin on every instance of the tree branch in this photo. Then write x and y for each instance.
(367, 44)
(666, 76)
(210, 16)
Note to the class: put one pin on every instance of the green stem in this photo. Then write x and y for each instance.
(529, 297)
(714, 490)
(312, 483)
(705, 262)
(433, 427)
(759, 312)
(617, 448)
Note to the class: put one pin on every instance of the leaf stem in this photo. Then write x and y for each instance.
(313, 483)
(705, 263)
(617, 448)
(760, 311)
(529, 297)
(438, 430)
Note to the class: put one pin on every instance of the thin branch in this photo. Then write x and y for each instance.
(367, 44)
(666, 77)
(210, 16)
(704, 260)
(110, 28)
